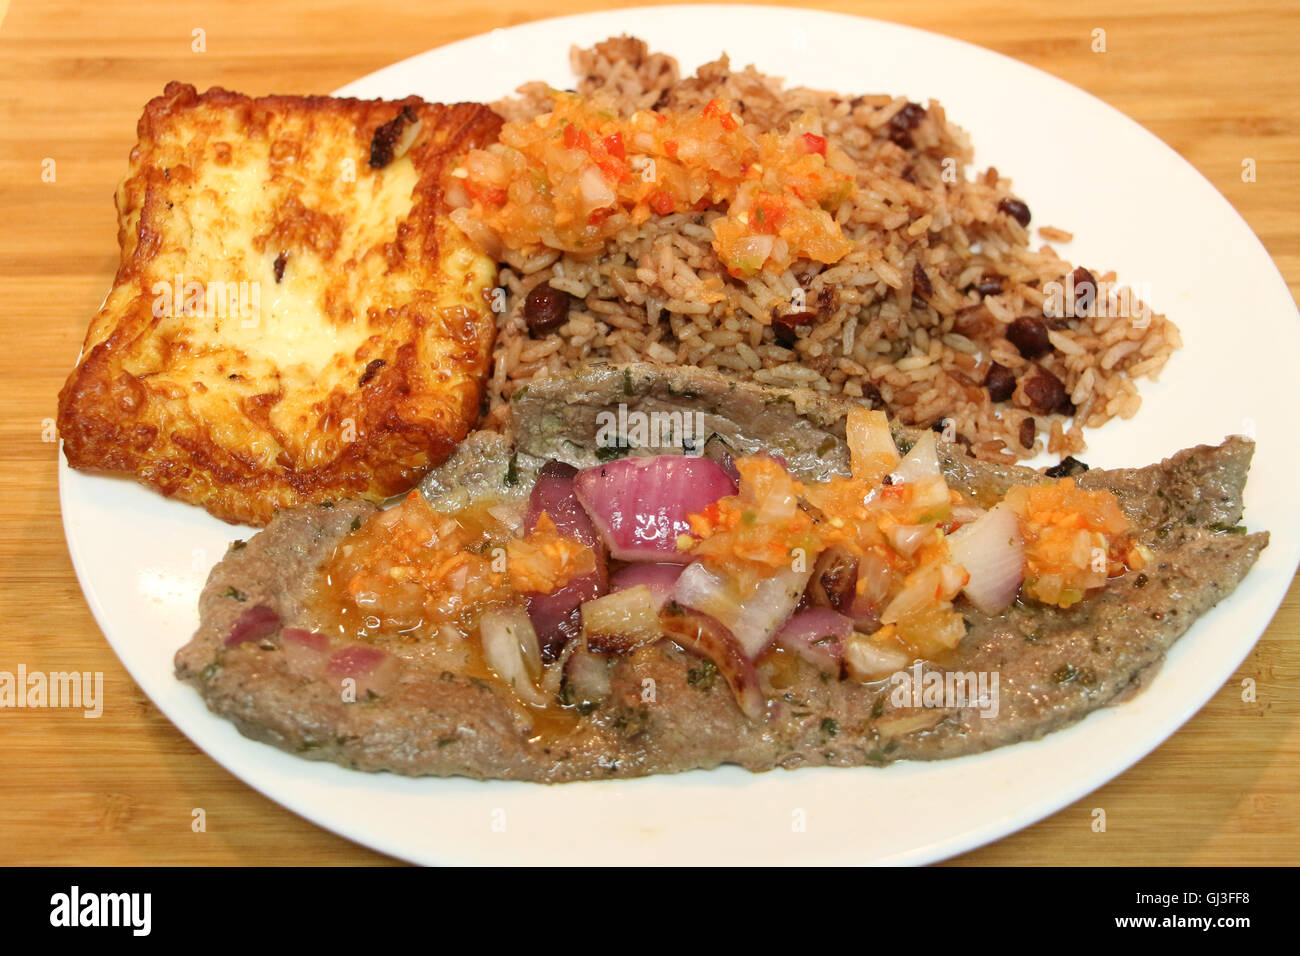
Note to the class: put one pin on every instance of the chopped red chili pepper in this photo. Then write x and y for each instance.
(662, 203)
(488, 194)
(814, 143)
(714, 108)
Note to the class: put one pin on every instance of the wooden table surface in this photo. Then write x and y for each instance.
(1215, 82)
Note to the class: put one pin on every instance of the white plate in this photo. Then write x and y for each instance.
(1134, 205)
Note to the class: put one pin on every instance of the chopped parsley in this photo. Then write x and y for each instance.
(1220, 528)
(703, 676)
(1065, 674)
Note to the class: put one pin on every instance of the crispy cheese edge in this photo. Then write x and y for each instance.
(407, 411)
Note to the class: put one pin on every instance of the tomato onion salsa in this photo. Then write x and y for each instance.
(731, 558)
(577, 176)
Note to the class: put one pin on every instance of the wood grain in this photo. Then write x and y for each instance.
(1216, 82)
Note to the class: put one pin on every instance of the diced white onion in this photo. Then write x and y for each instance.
(992, 550)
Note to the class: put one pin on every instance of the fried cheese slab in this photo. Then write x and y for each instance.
(294, 318)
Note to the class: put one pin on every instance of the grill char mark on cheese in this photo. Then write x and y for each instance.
(383, 146)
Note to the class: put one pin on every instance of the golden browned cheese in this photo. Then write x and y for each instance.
(294, 317)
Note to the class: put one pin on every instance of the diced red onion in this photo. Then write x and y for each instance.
(659, 578)
(992, 550)
(708, 638)
(355, 660)
(254, 624)
(312, 640)
(752, 616)
(554, 494)
(817, 634)
(556, 617)
(718, 450)
(371, 668)
(305, 651)
(640, 505)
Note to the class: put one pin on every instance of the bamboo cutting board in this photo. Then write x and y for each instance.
(1218, 85)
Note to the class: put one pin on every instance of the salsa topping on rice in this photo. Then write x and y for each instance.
(791, 237)
(573, 178)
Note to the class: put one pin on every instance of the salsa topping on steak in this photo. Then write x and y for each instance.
(553, 609)
(860, 575)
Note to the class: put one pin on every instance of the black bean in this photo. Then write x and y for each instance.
(988, 285)
(1029, 335)
(784, 326)
(546, 309)
(1085, 291)
(1028, 429)
(1046, 394)
(921, 281)
(828, 300)
(1068, 467)
(903, 122)
(1000, 381)
(1016, 210)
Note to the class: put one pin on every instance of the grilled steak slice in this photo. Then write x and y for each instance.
(1054, 666)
